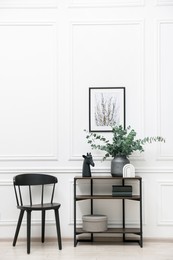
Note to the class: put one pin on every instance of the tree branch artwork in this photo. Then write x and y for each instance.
(106, 110)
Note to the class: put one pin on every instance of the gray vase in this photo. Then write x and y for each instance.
(117, 165)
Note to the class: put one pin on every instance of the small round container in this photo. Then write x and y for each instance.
(94, 223)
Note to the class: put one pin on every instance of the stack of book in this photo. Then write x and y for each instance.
(121, 191)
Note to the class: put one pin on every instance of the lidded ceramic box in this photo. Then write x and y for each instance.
(94, 223)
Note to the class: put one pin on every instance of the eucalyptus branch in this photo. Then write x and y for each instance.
(124, 142)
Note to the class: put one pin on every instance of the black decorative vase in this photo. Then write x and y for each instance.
(117, 165)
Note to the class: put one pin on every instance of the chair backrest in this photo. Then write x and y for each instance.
(33, 179)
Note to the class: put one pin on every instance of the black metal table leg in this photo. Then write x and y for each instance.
(141, 231)
(123, 213)
(75, 241)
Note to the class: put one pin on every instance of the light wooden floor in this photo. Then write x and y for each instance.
(86, 251)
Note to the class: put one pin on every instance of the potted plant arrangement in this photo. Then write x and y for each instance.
(123, 144)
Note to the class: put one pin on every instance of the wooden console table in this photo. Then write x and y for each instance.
(123, 230)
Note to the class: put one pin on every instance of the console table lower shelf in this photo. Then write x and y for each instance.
(129, 235)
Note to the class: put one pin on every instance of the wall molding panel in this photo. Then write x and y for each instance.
(106, 4)
(34, 222)
(25, 4)
(6, 183)
(137, 28)
(164, 2)
(23, 120)
(77, 170)
(165, 191)
(164, 59)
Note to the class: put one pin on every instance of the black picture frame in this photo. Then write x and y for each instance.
(106, 108)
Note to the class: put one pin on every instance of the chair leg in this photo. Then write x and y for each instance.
(18, 226)
(58, 228)
(43, 226)
(28, 231)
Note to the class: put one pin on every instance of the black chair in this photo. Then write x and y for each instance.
(35, 185)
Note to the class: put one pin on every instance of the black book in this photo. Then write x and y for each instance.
(120, 188)
(121, 194)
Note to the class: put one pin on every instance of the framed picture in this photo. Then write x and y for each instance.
(106, 108)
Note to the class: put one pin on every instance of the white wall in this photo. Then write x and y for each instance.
(51, 52)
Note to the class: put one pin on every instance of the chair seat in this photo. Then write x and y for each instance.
(46, 206)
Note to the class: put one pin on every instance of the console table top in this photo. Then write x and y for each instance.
(107, 177)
